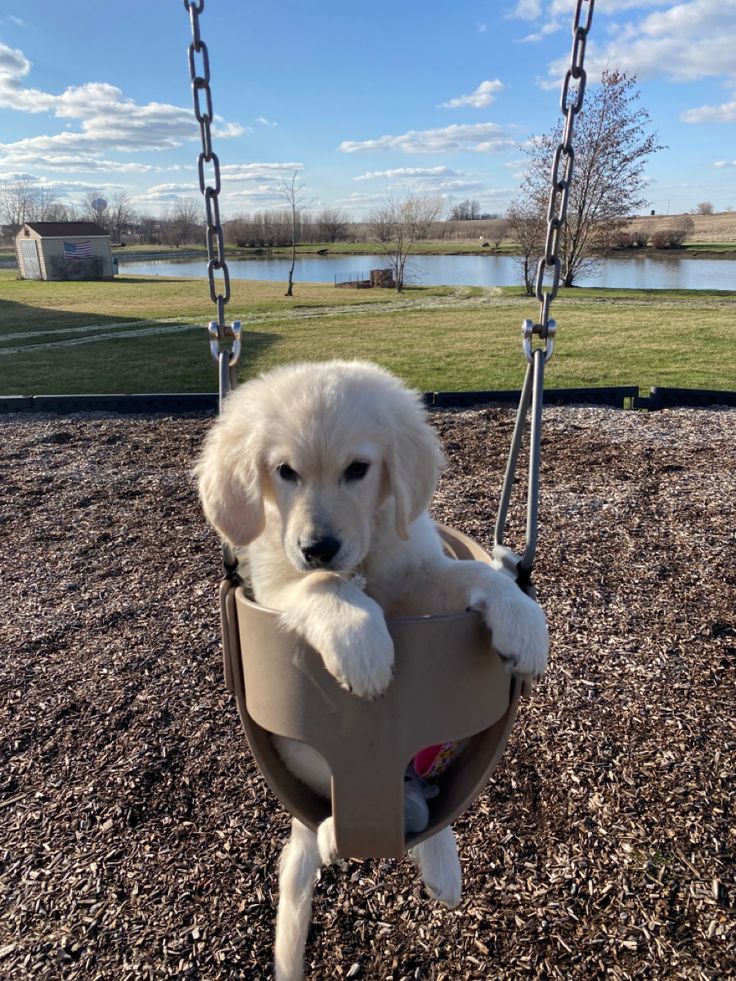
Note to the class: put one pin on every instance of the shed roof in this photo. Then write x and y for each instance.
(54, 229)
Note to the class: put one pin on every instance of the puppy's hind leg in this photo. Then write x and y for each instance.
(298, 867)
(439, 866)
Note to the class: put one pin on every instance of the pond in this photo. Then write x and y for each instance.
(638, 272)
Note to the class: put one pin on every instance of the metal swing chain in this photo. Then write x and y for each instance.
(571, 102)
(224, 338)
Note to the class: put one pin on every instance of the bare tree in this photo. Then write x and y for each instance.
(465, 211)
(57, 211)
(185, 221)
(400, 222)
(526, 224)
(704, 208)
(379, 225)
(612, 145)
(24, 199)
(332, 224)
(497, 231)
(18, 200)
(292, 191)
(120, 215)
(149, 230)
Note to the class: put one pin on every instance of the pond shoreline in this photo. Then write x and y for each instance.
(266, 252)
(125, 255)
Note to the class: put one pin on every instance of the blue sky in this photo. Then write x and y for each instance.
(359, 98)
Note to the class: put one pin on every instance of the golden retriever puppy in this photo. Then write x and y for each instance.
(321, 475)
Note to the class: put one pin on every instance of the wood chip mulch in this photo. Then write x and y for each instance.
(138, 841)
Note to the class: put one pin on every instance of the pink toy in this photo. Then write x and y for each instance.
(434, 760)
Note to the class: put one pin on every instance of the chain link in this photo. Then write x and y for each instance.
(224, 338)
(571, 102)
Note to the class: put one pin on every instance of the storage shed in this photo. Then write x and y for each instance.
(63, 250)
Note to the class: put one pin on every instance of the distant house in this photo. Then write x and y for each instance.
(63, 250)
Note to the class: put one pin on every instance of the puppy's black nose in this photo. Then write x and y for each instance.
(321, 552)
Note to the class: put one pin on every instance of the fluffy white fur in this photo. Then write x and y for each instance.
(321, 474)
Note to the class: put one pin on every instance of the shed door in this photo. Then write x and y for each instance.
(29, 252)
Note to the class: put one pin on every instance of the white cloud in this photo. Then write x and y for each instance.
(265, 122)
(259, 171)
(77, 163)
(531, 10)
(477, 138)
(158, 189)
(483, 96)
(62, 190)
(440, 180)
(260, 196)
(263, 180)
(55, 187)
(359, 204)
(109, 122)
(458, 186)
(428, 173)
(724, 113)
(549, 28)
(688, 41)
(13, 64)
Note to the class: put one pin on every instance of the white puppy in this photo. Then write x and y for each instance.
(322, 474)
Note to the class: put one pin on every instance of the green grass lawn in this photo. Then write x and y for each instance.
(145, 334)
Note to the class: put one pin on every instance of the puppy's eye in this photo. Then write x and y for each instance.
(287, 473)
(357, 470)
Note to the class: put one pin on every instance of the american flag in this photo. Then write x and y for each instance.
(78, 250)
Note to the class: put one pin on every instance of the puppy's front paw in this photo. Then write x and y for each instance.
(518, 627)
(352, 638)
(359, 653)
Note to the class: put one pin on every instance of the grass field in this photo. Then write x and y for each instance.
(141, 334)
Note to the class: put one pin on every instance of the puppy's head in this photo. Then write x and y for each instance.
(325, 447)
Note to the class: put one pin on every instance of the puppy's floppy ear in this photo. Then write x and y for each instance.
(230, 475)
(414, 461)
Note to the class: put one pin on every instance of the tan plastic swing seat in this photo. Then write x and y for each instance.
(448, 685)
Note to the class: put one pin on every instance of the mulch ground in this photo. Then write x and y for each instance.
(138, 841)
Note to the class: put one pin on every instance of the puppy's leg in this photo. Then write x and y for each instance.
(439, 866)
(298, 867)
(347, 628)
(327, 843)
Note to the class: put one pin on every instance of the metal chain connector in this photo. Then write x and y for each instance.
(527, 334)
(224, 338)
(216, 347)
(571, 102)
(504, 558)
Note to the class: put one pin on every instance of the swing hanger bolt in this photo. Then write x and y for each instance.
(545, 331)
(218, 337)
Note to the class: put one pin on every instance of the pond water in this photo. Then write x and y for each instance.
(638, 272)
